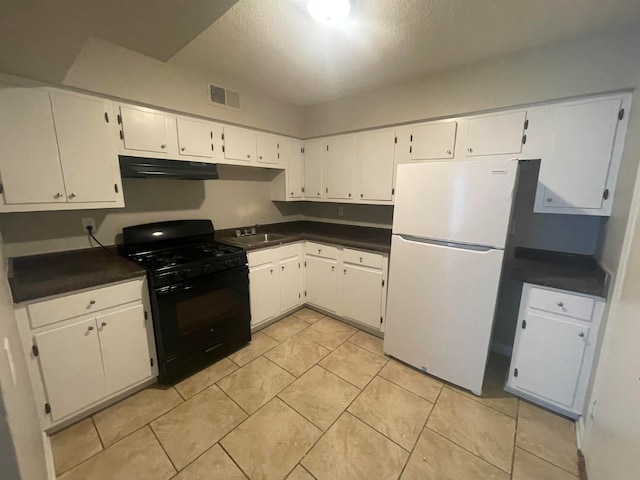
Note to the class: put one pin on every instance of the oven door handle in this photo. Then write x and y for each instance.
(175, 289)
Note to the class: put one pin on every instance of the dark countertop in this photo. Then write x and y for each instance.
(564, 271)
(37, 276)
(363, 238)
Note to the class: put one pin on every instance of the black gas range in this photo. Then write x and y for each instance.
(198, 290)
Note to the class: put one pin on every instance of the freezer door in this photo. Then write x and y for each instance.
(463, 202)
(440, 308)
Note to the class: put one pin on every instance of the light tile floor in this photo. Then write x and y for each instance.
(311, 397)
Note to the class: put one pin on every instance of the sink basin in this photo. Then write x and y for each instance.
(258, 238)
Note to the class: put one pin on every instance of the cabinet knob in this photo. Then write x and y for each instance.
(163, 146)
(248, 155)
(361, 195)
(73, 195)
(90, 328)
(448, 152)
(345, 271)
(292, 194)
(104, 324)
(318, 193)
(282, 267)
(271, 271)
(560, 304)
(581, 334)
(58, 195)
(319, 251)
(92, 302)
(549, 200)
(333, 268)
(183, 149)
(360, 259)
(349, 195)
(470, 150)
(260, 157)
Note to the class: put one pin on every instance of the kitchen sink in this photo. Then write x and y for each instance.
(256, 239)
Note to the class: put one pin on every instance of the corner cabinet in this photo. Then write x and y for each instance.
(68, 160)
(554, 347)
(579, 169)
(86, 348)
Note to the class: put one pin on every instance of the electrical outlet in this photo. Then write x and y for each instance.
(340, 211)
(89, 222)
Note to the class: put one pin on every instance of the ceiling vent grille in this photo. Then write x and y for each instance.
(222, 96)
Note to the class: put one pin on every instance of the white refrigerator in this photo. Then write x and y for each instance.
(450, 225)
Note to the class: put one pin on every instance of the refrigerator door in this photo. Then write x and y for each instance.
(465, 202)
(440, 308)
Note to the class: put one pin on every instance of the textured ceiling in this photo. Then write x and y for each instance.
(40, 38)
(275, 44)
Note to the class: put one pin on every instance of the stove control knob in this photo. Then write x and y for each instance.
(206, 268)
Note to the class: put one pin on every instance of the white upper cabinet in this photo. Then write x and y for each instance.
(292, 151)
(313, 169)
(69, 158)
(239, 144)
(87, 153)
(144, 129)
(338, 162)
(30, 168)
(433, 140)
(579, 171)
(268, 149)
(195, 138)
(374, 164)
(496, 134)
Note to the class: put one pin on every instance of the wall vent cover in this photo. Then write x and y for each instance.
(222, 96)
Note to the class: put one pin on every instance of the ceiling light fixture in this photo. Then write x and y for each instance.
(329, 11)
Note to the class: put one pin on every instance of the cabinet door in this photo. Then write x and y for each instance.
(291, 283)
(321, 282)
(71, 367)
(313, 169)
(268, 149)
(338, 161)
(30, 167)
(360, 295)
(375, 157)
(88, 152)
(125, 348)
(292, 151)
(195, 139)
(574, 173)
(495, 134)
(264, 293)
(144, 129)
(239, 144)
(548, 356)
(431, 141)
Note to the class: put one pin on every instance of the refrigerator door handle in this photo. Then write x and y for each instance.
(464, 246)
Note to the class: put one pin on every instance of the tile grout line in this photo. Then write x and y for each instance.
(546, 461)
(163, 449)
(515, 440)
(228, 454)
(214, 383)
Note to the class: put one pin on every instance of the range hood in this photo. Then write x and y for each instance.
(137, 167)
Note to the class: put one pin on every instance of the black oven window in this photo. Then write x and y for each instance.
(203, 311)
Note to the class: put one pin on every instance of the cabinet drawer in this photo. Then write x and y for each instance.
(261, 257)
(319, 250)
(365, 259)
(57, 309)
(561, 303)
(288, 251)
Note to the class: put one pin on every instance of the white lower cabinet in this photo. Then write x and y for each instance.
(276, 281)
(79, 362)
(553, 349)
(350, 283)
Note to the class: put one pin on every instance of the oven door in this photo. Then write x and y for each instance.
(200, 320)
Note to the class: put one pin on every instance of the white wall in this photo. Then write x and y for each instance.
(17, 394)
(102, 67)
(240, 198)
(612, 435)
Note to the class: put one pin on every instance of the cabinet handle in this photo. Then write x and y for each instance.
(57, 195)
(448, 152)
(560, 304)
(271, 271)
(292, 194)
(282, 267)
(163, 146)
(183, 149)
(73, 195)
(349, 195)
(361, 195)
(470, 150)
(92, 302)
(581, 334)
(248, 155)
(104, 324)
(318, 193)
(319, 251)
(345, 271)
(260, 157)
(90, 328)
(549, 200)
